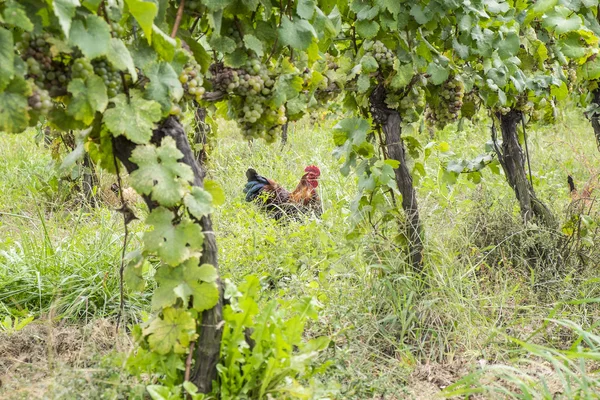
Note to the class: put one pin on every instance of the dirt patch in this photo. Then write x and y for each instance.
(31, 359)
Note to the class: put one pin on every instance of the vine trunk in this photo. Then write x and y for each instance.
(512, 159)
(210, 329)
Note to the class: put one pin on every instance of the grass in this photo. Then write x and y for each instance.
(496, 308)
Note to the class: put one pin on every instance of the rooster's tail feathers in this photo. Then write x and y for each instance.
(255, 184)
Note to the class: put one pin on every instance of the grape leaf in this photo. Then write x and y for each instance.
(15, 15)
(119, 56)
(92, 37)
(216, 191)
(306, 8)
(65, 11)
(591, 69)
(13, 106)
(562, 20)
(171, 332)
(163, 44)
(60, 120)
(7, 58)
(254, 44)
(222, 44)
(101, 151)
(183, 281)
(135, 119)
(173, 243)
(89, 96)
(369, 63)
(198, 202)
(164, 84)
(159, 172)
(404, 74)
(438, 73)
(144, 13)
(297, 33)
(367, 29)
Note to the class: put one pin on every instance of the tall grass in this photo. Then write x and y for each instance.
(480, 297)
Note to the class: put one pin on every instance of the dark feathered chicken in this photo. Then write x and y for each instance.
(278, 201)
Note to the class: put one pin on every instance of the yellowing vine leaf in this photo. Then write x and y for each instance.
(173, 243)
(159, 172)
(173, 331)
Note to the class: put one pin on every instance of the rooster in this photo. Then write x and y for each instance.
(278, 201)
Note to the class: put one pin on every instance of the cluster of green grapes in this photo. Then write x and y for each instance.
(250, 89)
(111, 76)
(40, 100)
(446, 108)
(330, 62)
(271, 120)
(191, 78)
(116, 29)
(383, 55)
(82, 68)
(571, 78)
(48, 73)
(409, 105)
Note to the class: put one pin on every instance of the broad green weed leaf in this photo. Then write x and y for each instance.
(216, 191)
(133, 119)
(173, 243)
(172, 332)
(159, 173)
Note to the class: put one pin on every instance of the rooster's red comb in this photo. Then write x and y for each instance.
(314, 169)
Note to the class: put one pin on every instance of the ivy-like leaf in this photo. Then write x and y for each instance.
(89, 96)
(159, 172)
(164, 84)
(91, 35)
(65, 11)
(134, 119)
(13, 106)
(173, 331)
(144, 13)
(7, 58)
(198, 202)
(173, 243)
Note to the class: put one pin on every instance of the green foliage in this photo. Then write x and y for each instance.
(273, 360)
